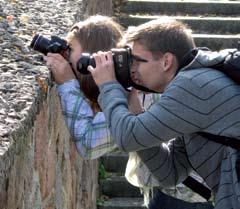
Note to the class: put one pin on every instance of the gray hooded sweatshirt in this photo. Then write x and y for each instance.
(198, 99)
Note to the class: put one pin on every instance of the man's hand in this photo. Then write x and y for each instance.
(59, 67)
(104, 70)
(134, 103)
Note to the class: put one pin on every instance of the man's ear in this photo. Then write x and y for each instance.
(168, 59)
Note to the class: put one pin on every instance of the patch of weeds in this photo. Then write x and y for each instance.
(101, 200)
(103, 174)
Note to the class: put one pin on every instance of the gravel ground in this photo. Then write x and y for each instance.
(19, 65)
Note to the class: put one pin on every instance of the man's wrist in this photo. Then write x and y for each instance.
(107, 84)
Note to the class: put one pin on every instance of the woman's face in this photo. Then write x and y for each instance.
(75, 53)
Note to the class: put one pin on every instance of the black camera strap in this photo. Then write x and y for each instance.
(73, 70)
(197, 187)
(142, 88)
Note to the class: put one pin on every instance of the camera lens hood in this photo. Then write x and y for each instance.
(84, 61)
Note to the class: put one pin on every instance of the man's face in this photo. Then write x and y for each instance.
(146, 70)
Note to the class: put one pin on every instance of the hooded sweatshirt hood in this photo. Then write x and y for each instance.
(204, 58)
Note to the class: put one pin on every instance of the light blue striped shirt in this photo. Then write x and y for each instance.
(88, 129)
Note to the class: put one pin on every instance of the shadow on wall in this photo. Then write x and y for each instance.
(42, 169)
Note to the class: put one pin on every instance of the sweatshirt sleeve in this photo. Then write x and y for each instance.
(173, 115)
(167, 162)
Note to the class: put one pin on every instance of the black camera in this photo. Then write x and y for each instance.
(122, 64)
(53, 45)
(122, 59)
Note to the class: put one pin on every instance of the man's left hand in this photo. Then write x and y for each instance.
(104, 70)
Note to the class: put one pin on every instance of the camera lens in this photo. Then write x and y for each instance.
(83, 63)
(40, 44)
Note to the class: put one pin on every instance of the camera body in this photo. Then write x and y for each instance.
(122, 64)
(54, 45)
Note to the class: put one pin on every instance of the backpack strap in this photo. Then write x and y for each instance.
(228, 141)
(238, 166)
(197, 187)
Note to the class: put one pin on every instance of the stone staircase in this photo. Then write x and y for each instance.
(115, 190)
(215, 24)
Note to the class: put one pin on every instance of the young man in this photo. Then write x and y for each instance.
(194, 99)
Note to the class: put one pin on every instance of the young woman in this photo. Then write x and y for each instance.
(85, 122)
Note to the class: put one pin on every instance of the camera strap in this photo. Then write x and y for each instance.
(142, 88)
(73, 70)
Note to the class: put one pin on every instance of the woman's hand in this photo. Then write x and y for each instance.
(59, 67)
(104, 70)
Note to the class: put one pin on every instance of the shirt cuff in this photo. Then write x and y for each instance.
(68, 86)
(110, 91)
(109, 84)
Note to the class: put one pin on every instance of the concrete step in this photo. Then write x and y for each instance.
(123, 203)
(204, 25)
(118, 186)
(216, 42)
(115, 162)
(179, 7)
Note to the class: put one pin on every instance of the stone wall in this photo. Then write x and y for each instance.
(41, 168)
(39, 165)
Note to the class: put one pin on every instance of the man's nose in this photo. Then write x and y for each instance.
(132, 72)
(133, 75)
(133, 69)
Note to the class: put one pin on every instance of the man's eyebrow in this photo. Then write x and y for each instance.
(138, 58)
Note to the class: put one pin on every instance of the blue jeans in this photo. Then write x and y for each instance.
(164, 201)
